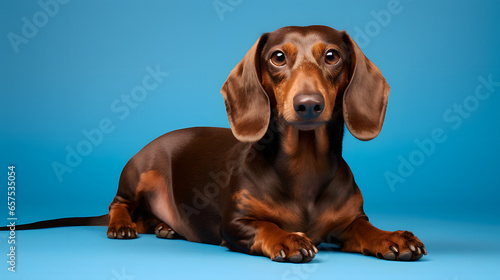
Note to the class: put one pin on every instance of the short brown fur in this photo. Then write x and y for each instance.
(276, 183)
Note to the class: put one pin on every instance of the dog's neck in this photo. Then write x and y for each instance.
(305, 159)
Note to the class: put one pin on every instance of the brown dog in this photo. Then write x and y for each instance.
(276, 183)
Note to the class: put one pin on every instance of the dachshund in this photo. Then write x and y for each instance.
(275, 183)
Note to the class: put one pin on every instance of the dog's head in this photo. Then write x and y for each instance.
(304, 73)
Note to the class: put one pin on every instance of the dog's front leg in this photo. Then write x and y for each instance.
(362, 237)
(266, 238)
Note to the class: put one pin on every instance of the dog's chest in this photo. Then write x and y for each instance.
(289, 214)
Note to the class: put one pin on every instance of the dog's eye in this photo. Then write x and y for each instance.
(332, 57)
(278, 58)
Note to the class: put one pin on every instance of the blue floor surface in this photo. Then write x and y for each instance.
(457, 250)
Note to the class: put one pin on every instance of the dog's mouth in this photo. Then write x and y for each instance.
(306, 125)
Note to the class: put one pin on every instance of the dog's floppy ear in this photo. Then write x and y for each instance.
(365, 98)
(247, 104)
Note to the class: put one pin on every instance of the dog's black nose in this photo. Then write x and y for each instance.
(309, 106)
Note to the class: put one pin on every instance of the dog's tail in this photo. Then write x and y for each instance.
(63, 222)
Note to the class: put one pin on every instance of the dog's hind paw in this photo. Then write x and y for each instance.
(122, 230)
(162, 230)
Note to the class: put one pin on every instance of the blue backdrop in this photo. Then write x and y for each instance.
(86, 84)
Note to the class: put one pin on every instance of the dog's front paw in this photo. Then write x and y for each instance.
(295, 247)
(398, 245)
(122, 230)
